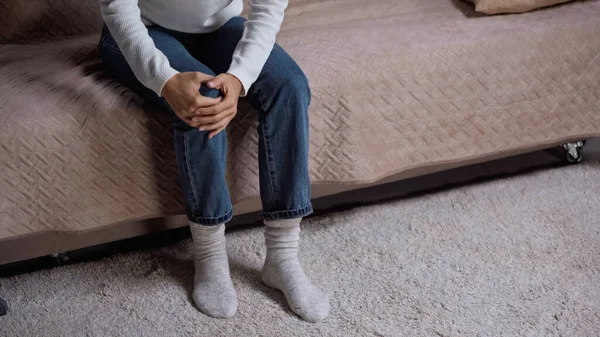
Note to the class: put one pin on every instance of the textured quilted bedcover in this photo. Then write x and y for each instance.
(398, 86)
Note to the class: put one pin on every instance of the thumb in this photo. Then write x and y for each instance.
(217, 82)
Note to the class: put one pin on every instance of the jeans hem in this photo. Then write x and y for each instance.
(289, 214)
(211, 221)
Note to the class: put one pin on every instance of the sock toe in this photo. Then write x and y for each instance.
(223, 306)
(313, 308)
(315, 315)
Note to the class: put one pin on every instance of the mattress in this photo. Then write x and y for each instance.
(400, 88)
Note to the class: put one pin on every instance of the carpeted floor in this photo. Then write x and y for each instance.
(517, 256)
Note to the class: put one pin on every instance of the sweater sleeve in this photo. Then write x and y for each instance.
(150, 65)
(256, 44)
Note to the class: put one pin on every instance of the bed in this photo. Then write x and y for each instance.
(401, 88)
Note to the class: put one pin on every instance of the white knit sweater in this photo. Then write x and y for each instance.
(127, 21)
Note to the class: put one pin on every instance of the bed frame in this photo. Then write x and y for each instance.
(569, 152)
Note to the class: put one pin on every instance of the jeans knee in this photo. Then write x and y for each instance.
(296, 84)
(209, 92)
(205, 90)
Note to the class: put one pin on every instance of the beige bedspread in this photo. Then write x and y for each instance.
(401, 87)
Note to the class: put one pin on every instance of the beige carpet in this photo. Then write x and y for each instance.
(517, 256)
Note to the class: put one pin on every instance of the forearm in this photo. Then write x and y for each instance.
(150, 65)
(256, 44)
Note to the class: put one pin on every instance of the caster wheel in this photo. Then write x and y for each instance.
(573, 153)
(3, 307)
(59, 258)
(573, 158)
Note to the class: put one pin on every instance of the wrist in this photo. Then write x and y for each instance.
(166, 89)
(240, 85)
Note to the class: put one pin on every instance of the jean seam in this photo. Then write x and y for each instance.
(187, 162)
(267, 147)
(104, 34)
(103, 39)
(109, 46)
(105, 44)
(268, 160)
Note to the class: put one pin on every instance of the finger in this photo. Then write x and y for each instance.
(216, 132)
(208, 111)
(217, 82)
(191, 123)
(202, 77)
(204, 102)
(212, 119)
(186, 119)
(226, 104)
(217, 126)
(199, 122)
(215, 123)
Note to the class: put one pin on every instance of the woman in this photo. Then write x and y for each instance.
(195, 58)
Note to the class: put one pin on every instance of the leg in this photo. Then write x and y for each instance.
(201, 165)
(282, 96)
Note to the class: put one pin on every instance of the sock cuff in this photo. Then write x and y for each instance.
(206, 232)
(283, 223)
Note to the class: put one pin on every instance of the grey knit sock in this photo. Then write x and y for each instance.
(282, 271)
(213, 294)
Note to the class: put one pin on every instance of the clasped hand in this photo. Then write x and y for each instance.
(204, 113)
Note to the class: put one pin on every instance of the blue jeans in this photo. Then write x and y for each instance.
(281, 95)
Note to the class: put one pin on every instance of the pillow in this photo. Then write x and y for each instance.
(511, 6)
